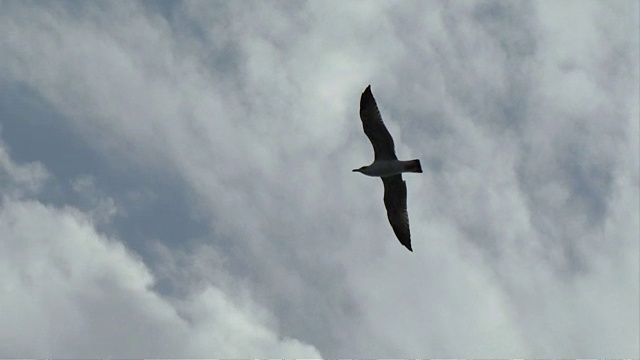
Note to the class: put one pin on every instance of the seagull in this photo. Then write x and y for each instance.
(387, 166)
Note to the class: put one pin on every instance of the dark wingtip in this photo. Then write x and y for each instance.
(366, 98)
(409, 247)
(367, 91)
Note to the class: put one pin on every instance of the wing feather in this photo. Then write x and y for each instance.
(374, 128)
(395, 200)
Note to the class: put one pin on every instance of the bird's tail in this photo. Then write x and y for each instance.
(413, 166)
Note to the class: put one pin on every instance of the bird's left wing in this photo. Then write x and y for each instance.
(395, 200)
(374, 128)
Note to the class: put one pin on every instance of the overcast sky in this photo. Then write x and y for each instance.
(176, 179)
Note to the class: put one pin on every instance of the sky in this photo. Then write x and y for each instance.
(175, 179)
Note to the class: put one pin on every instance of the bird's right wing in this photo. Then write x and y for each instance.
(395, 200)
(374, 128)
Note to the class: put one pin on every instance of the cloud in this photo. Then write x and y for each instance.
(69, 291)
(525, 222)
(102, 208)
(20, 180)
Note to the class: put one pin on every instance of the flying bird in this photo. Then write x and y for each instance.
(387, 166)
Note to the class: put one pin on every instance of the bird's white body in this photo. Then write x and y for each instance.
(383, 168)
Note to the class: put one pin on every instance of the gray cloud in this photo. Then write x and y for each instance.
(524, 113)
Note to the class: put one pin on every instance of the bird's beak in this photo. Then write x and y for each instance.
(354, 170)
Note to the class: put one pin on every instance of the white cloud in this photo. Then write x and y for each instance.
(69, 291)
(525, 223)
(29, 177)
